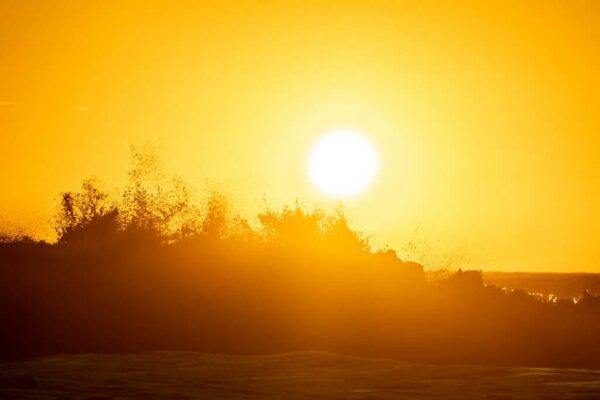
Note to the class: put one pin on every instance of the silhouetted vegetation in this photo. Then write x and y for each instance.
(152, 270)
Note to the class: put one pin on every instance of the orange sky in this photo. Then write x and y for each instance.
(486, 114)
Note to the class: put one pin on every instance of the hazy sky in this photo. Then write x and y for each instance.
(486, 115)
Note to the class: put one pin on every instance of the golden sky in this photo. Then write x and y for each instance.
(486, 114)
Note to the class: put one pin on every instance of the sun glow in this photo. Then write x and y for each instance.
(342, 163)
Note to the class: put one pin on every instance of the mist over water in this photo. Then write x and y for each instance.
(151, 269)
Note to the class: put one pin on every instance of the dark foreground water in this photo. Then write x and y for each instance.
(303, 375)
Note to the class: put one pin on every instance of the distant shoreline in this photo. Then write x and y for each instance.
(560, 284)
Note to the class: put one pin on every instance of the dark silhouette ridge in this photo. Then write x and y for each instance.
(152, 271)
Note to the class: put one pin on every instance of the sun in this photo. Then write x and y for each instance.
(342, 163)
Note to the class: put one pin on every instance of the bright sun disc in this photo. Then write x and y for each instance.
(342, 163)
